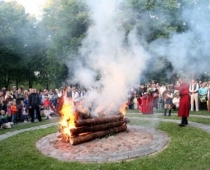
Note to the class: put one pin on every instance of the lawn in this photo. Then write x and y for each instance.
(27, 125)
(187, 150)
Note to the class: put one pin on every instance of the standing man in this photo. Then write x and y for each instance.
(68, 92)
(194, 87)
(75, 96)
(162, 100)
(184, 105)
(34, 104)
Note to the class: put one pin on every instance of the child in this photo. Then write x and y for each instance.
(3, 120)
(9, 112)
(176, 101)
(168, 102)
(4, 106)
(47, 112)
(24, 113)
(14, 111)
(47, 105)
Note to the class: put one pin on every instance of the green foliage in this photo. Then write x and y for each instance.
(12, 19)
(51, 45)
(66, 22)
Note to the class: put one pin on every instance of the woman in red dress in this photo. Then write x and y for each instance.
(143, 103)
(184, 104)
(139, 103)
(147, 103)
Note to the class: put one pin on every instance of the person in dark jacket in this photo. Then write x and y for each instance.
(34, 104)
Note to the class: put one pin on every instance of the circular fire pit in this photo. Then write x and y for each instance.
(137, 141)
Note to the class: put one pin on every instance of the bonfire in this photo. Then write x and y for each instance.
(77, 125)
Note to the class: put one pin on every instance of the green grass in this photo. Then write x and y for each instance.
(205, 120)
(203, 112)
(193, 119)
(27, 125)
(187, 150)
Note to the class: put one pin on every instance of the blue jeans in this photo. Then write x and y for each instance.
(13, 118)
(25, 117)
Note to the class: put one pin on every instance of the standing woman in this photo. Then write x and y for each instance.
(149, 100)
(168, 102)
(184, 106)
(202, 92)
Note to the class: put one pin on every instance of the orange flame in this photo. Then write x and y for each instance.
(123, 108)
(67, 117)
(68, 114)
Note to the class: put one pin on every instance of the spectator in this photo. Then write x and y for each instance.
(4, 106)
(34, 104)
(184, 106)
(48, 105)
(3, 120)
(1, 99)
(9, 115)
(194, 87)
(135, 102)
(19, 97)
(47, 112)
(14, 111)
(75, 96)
(161, 98)
(175, 101)
(24, 113)
(202, 92)
(8, 96)
(168, 102)
(68, 92)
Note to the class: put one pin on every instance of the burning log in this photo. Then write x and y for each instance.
(98, 134)
(99, 127)
(98, 120)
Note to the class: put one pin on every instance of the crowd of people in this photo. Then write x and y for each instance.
(21, 105)
(192, 95)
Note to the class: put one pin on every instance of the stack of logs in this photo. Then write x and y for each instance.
(92, 128)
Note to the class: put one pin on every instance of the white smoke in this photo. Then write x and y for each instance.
(189, 51)
(104, 51)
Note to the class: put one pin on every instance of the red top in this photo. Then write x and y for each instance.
(46, 102)
(13, 109)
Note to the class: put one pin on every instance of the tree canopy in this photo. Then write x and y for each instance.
(42, 51)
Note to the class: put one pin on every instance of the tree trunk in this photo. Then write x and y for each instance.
(7, 79)
(30, 81)
(94, 135)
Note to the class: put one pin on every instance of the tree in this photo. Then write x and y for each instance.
(66, 22)
(12, 19)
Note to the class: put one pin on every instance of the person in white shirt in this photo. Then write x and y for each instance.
(193, 89)
(75, 95)
(162, 100)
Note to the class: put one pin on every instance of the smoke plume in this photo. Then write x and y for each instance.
(106, 52)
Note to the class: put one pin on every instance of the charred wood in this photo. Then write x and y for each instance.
(87, 137)
(98, 120)
(99, 127)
